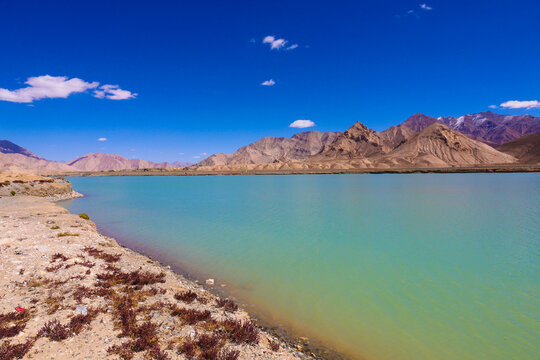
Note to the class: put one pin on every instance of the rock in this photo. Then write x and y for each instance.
(81, 310)
(210, 282)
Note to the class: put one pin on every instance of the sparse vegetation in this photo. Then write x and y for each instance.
(186, 296)
(227, 304)
(67, 233)
(191, 316)
(274, 345)
(84, 216)
(241, 332)
(9, 352)
(13, 192)
(100, 254)
(58, 256)
(55, 227)
(54, 331)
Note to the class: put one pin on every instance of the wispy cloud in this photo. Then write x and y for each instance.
(492, 106)
(521, 104)
(277, 44)
(42, 87)
(302, 124)
(102, 139)
(425, 7)
(113, 92)
(196, 157)
(180, 153)
(51, 87)
(268, 83)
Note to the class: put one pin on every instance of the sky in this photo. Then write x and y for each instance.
(180, 80)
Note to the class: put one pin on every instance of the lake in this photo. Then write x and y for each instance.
(418, 266)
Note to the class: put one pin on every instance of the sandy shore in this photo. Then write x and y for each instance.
(68, 292)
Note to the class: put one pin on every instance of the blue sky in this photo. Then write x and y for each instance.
(188, 74)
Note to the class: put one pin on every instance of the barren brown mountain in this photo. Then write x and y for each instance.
(13, 156)
(526, 148)
(440, 146)
(35, 165)
(396, 135)
(357, 142)
(103, 162)
(270, 149)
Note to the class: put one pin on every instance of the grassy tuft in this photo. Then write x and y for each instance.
(84, 216)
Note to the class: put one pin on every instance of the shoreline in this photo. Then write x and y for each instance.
(509, 168)
(34, 231)
(286, 333)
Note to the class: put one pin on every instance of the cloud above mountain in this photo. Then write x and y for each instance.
(54, 87)
(521, 104)
(302, 124)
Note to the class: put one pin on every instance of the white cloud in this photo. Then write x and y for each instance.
(113, 92)
(46, 86)
(196, 157)
(276, 44)
(425, 7)
(301, 124)
(492, 106)
(268, 83)
(517, 104)
(204, 154)
(102, 139)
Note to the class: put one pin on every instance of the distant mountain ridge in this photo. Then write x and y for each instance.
(488, 127)
(360, 142)
(419, 141)
(16, 157)
(103, 162)
(269, 149)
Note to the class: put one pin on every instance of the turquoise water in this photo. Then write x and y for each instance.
(378, 266)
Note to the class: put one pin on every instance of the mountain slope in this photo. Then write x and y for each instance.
(526, 148)
(104, 162)
(488, 127)
(30, 163)
(396, 135)
(440, 146)
(494, 129)
(270, 149)
(7, 147)
(357, 142)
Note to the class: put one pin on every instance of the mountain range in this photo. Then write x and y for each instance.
(420, 141)
(270, 148)
(13, 156)
(360, 146)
